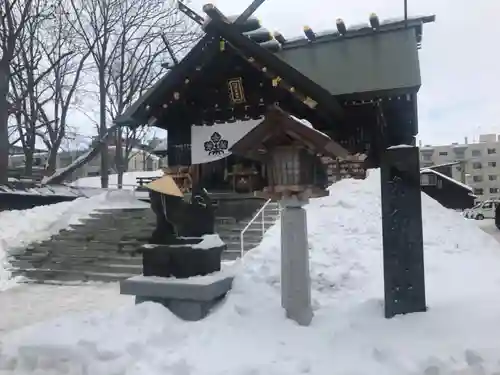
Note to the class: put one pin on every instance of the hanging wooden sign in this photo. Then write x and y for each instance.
(236, 91)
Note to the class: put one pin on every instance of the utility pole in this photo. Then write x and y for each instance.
(406, 12)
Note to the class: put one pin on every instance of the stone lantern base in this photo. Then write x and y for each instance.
(189, 299)
(295, 276)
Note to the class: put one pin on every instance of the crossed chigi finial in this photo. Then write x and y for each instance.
(242, 18)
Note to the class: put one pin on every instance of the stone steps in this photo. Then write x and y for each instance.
(84, 258)
(235, 245)
(253, 229)
(73, 246)
(40, 275)
(104, 247)
(230, 232)
(65, 265)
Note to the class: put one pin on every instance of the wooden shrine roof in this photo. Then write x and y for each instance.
(170, 100)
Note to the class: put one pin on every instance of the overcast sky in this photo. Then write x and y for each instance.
(460, 56)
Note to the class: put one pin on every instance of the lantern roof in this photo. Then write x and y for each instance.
(282, 129)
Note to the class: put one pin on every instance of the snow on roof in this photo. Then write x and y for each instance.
(163, 146)
(35, 154)
(349, 335)
(444, 165)
(426, 170)
(307, 124)
(110, 147)
(400, 146)
(363, 29)
(136, 150)
(129, 179)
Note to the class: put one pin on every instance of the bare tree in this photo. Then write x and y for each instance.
(68, 57)
(95, 24)
(144, 42)
(133, 141)
(28, 70)
(13, 16)
(125, 38)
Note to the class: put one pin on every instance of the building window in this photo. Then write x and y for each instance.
(492, 151)
(478, 191)
(476, 152)
(492, 164)
(477, 178)
(477, 165)
(443, 153)
(492, 177)
(440, 184)
(426, 157)
(428, 179)
(493, 190)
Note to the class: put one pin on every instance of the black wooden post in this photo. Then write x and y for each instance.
(404, 282)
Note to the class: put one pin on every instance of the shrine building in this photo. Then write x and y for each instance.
(357, 84)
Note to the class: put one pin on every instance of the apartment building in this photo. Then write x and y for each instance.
(478, 167)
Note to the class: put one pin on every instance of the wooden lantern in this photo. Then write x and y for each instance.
(290, 151)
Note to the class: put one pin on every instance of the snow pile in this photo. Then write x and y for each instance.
(32, 303)
(129, 179)
(19, 228)
(349, 335)
(209, 241)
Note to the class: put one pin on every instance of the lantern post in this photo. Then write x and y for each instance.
(290, 150)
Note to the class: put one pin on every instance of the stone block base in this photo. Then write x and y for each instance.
(184, 309)
(182, 259)
(189, 299)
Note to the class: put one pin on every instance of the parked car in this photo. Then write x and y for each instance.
(482, 210)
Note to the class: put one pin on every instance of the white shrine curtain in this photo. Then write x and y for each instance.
(210, 143)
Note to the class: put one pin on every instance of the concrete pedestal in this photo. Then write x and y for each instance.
(189, 299)
(295, 277)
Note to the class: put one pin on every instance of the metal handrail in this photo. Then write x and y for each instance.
(260, 212)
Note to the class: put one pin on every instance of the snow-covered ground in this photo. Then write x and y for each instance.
(32, 303)
(488, 226)
(129, 179)
(249, 335)
(19, 228)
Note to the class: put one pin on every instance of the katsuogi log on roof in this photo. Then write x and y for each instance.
(281, 129)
